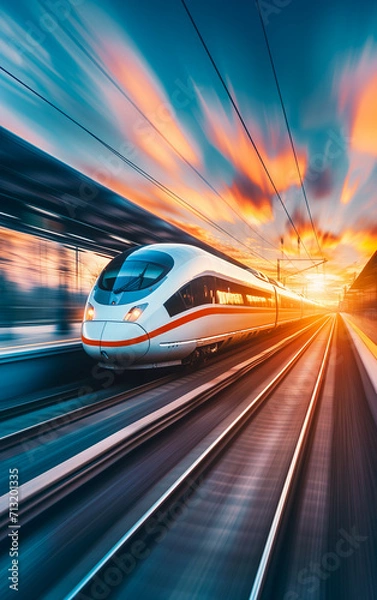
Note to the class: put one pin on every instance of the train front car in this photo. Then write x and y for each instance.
(122, 305)
(169, 303)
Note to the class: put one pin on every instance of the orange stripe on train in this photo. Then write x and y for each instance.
(169, 326)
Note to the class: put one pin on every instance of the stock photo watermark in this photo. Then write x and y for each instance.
(310, 577)
(14, 530)
(271, 8)
(146, 128)
(155, 529)
(37, 31)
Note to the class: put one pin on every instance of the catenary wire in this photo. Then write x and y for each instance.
(287, 124)
(234, 105)
(134, 166)
(105, 72)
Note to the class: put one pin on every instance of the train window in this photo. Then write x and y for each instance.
(175, 304)
(187, 296)
(131, 272)
(229, 297)
(200, 288)
(253, 299)
(208, 289)
(228, 292)
(287, 302)
(180, 301)
(196, 293)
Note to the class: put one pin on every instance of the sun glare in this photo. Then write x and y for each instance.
(316, 283)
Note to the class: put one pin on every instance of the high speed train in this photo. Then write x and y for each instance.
(168, 304)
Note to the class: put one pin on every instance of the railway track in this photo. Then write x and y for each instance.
(225, 493)
(41, 496)
(328, 541)
(139, 537)
(64, 478)
(88, 407)
(28, 439)
(291, 478)
(79, 392)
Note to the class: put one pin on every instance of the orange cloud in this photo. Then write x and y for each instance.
(196, 231)
(356, 87)
(364, 241)
(230, 249)
(346, 253)
(206, 201)
(257, 212)
(350, 186)
(141, 85)
(328, 240)
(364, 127)
(228, 136)
(157, 201)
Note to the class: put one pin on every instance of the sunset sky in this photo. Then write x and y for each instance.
(135, 73)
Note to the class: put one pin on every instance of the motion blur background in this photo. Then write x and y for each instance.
(43, 282)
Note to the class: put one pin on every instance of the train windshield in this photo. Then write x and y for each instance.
(132, 272)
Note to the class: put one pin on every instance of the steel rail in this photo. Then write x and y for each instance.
(292, 474)
(197, 467)
(32, 431)
(28, 433)
(66, 477)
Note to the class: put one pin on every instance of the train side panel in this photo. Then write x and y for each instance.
(160, 304)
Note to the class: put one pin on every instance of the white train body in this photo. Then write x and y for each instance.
(167, 303)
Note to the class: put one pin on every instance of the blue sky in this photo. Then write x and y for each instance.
(137, 76)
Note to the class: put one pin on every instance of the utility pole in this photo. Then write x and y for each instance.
(278, 261)
(318, 261)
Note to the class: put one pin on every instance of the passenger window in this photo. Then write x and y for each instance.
(175, 305)
(187, 296)
(196, 293)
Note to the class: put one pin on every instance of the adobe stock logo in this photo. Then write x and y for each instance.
(311, 577)
(269, 8)
(124, 562)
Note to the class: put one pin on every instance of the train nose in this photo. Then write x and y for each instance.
(123, 343)
(91, 333)
(119, 344)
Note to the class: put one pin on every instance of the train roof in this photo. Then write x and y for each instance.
(175, 250)
(182, 253)
(187, 251)
(179, 250)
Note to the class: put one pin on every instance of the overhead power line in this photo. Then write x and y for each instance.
(105, 72)
(287, 123)
(134, 166)
(234, 105)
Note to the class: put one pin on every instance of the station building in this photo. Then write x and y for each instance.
(361, 298)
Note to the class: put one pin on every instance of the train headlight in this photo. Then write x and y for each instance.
(134, 313)
(89, 312)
